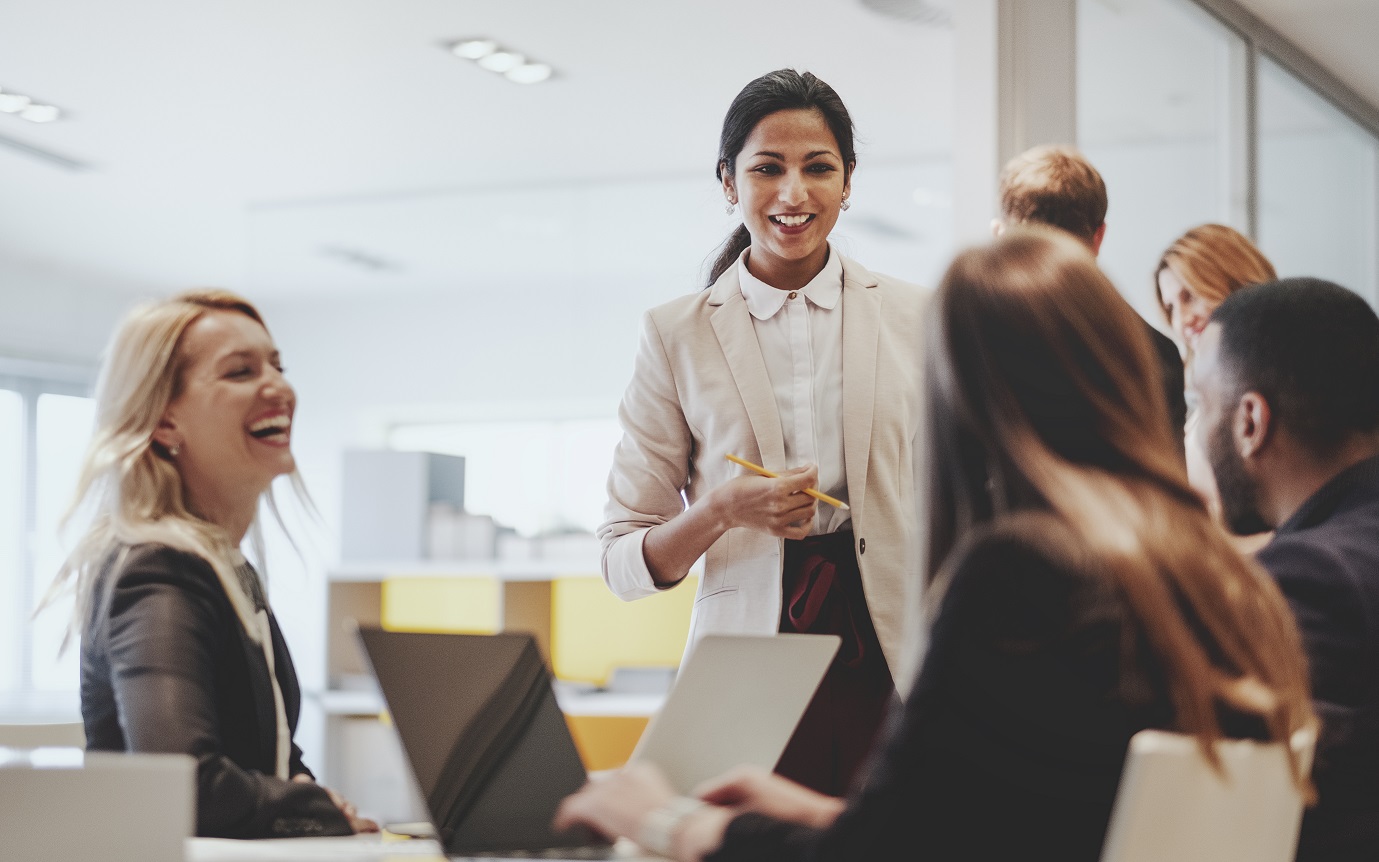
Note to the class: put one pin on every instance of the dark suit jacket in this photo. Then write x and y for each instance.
(1174, 380)
(1326, 561)
(166, 666)
(1012, 741)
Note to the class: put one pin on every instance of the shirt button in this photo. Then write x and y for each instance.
(793, 294)
(861, 546)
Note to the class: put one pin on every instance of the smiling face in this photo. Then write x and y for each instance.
(791, 181)
(1187, 312)
(231, 421)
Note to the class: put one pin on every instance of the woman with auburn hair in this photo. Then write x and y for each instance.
(1078, 593)
(180, 651)
(1199, 270)
(1195, 275)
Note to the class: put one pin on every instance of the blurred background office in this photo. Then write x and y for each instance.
(454, 243)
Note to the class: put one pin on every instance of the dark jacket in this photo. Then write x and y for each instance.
(1174, 381)
(166, 666)
(1012, 742)
(1326, 560)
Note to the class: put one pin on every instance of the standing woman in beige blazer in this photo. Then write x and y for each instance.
(798, 359)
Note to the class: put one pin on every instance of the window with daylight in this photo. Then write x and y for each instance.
(44, 429)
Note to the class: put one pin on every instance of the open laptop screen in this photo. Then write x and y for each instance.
(488, 745)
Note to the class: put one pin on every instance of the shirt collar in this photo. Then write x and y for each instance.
(763, 300)
(1334, 495)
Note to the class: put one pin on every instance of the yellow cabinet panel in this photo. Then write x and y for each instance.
(472, 605)
(593, 631)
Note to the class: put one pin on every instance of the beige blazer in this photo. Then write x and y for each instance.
(700, 389)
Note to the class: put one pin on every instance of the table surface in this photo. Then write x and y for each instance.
(357, 848)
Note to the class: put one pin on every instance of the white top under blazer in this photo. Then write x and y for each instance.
(801, 338)
(700, 389)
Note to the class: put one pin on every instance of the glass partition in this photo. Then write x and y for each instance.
(1318, 191)
(1155, 115)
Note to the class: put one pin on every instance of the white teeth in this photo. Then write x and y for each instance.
(791, 220)
(280, 423)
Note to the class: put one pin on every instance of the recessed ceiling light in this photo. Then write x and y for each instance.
(40, 113)
(529, 73)
(502, 61)
(13, 103)
(474, 49)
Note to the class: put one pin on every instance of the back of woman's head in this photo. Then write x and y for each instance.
(129, 485)
(781, 90)
(1043, 395)
(1214, 261)
(1037, 355)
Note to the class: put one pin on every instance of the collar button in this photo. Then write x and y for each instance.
(793, 294)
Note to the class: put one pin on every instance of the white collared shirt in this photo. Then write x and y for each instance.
(800, 333)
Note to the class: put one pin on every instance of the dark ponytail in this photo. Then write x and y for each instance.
(782, 90)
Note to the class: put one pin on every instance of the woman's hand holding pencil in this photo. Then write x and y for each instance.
(762, 471)
(779, 504)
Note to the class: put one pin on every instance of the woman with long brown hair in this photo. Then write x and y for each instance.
(1078, 591)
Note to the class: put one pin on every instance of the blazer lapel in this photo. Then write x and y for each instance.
(263, 702)
(861, 328)
(732, 324)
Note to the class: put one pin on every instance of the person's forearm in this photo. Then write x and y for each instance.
(671, 548)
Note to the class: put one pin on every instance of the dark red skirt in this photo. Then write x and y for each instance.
(823, 595)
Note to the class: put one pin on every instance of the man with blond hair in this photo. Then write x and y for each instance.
(1056, 186)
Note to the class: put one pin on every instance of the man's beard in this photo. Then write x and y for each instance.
(1238, 491)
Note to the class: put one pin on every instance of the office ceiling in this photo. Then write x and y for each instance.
(212, 131)
(291, 148)
(1340, 34)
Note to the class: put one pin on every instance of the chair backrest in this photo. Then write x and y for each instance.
(1172, 804)
(41, 734)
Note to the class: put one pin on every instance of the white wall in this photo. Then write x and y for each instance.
(48, 312)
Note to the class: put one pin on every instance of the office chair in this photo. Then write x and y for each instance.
(1173, 805)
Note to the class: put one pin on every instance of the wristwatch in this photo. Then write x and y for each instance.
(657, 833)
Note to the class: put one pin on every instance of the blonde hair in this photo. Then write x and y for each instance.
(1040, 402)
(128, 479)
(1213, 261)
(1055, 186)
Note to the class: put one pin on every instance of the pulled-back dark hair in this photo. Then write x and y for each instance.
(781, 90)
(1311, 349)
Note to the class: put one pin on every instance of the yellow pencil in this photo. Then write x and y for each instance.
(762, 471)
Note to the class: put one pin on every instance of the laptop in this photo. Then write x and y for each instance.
(69, 804)
(493, 757)
(736, 701)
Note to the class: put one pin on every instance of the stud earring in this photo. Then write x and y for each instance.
(846, 203)
(175, 450)
(731, 207)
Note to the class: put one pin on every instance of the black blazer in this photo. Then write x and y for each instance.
(1326, 560)
(1174, 382)
(166, 666)
(1012, 742)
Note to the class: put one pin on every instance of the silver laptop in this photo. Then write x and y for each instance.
(493, 757)
(65, 803)
(736, 700)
